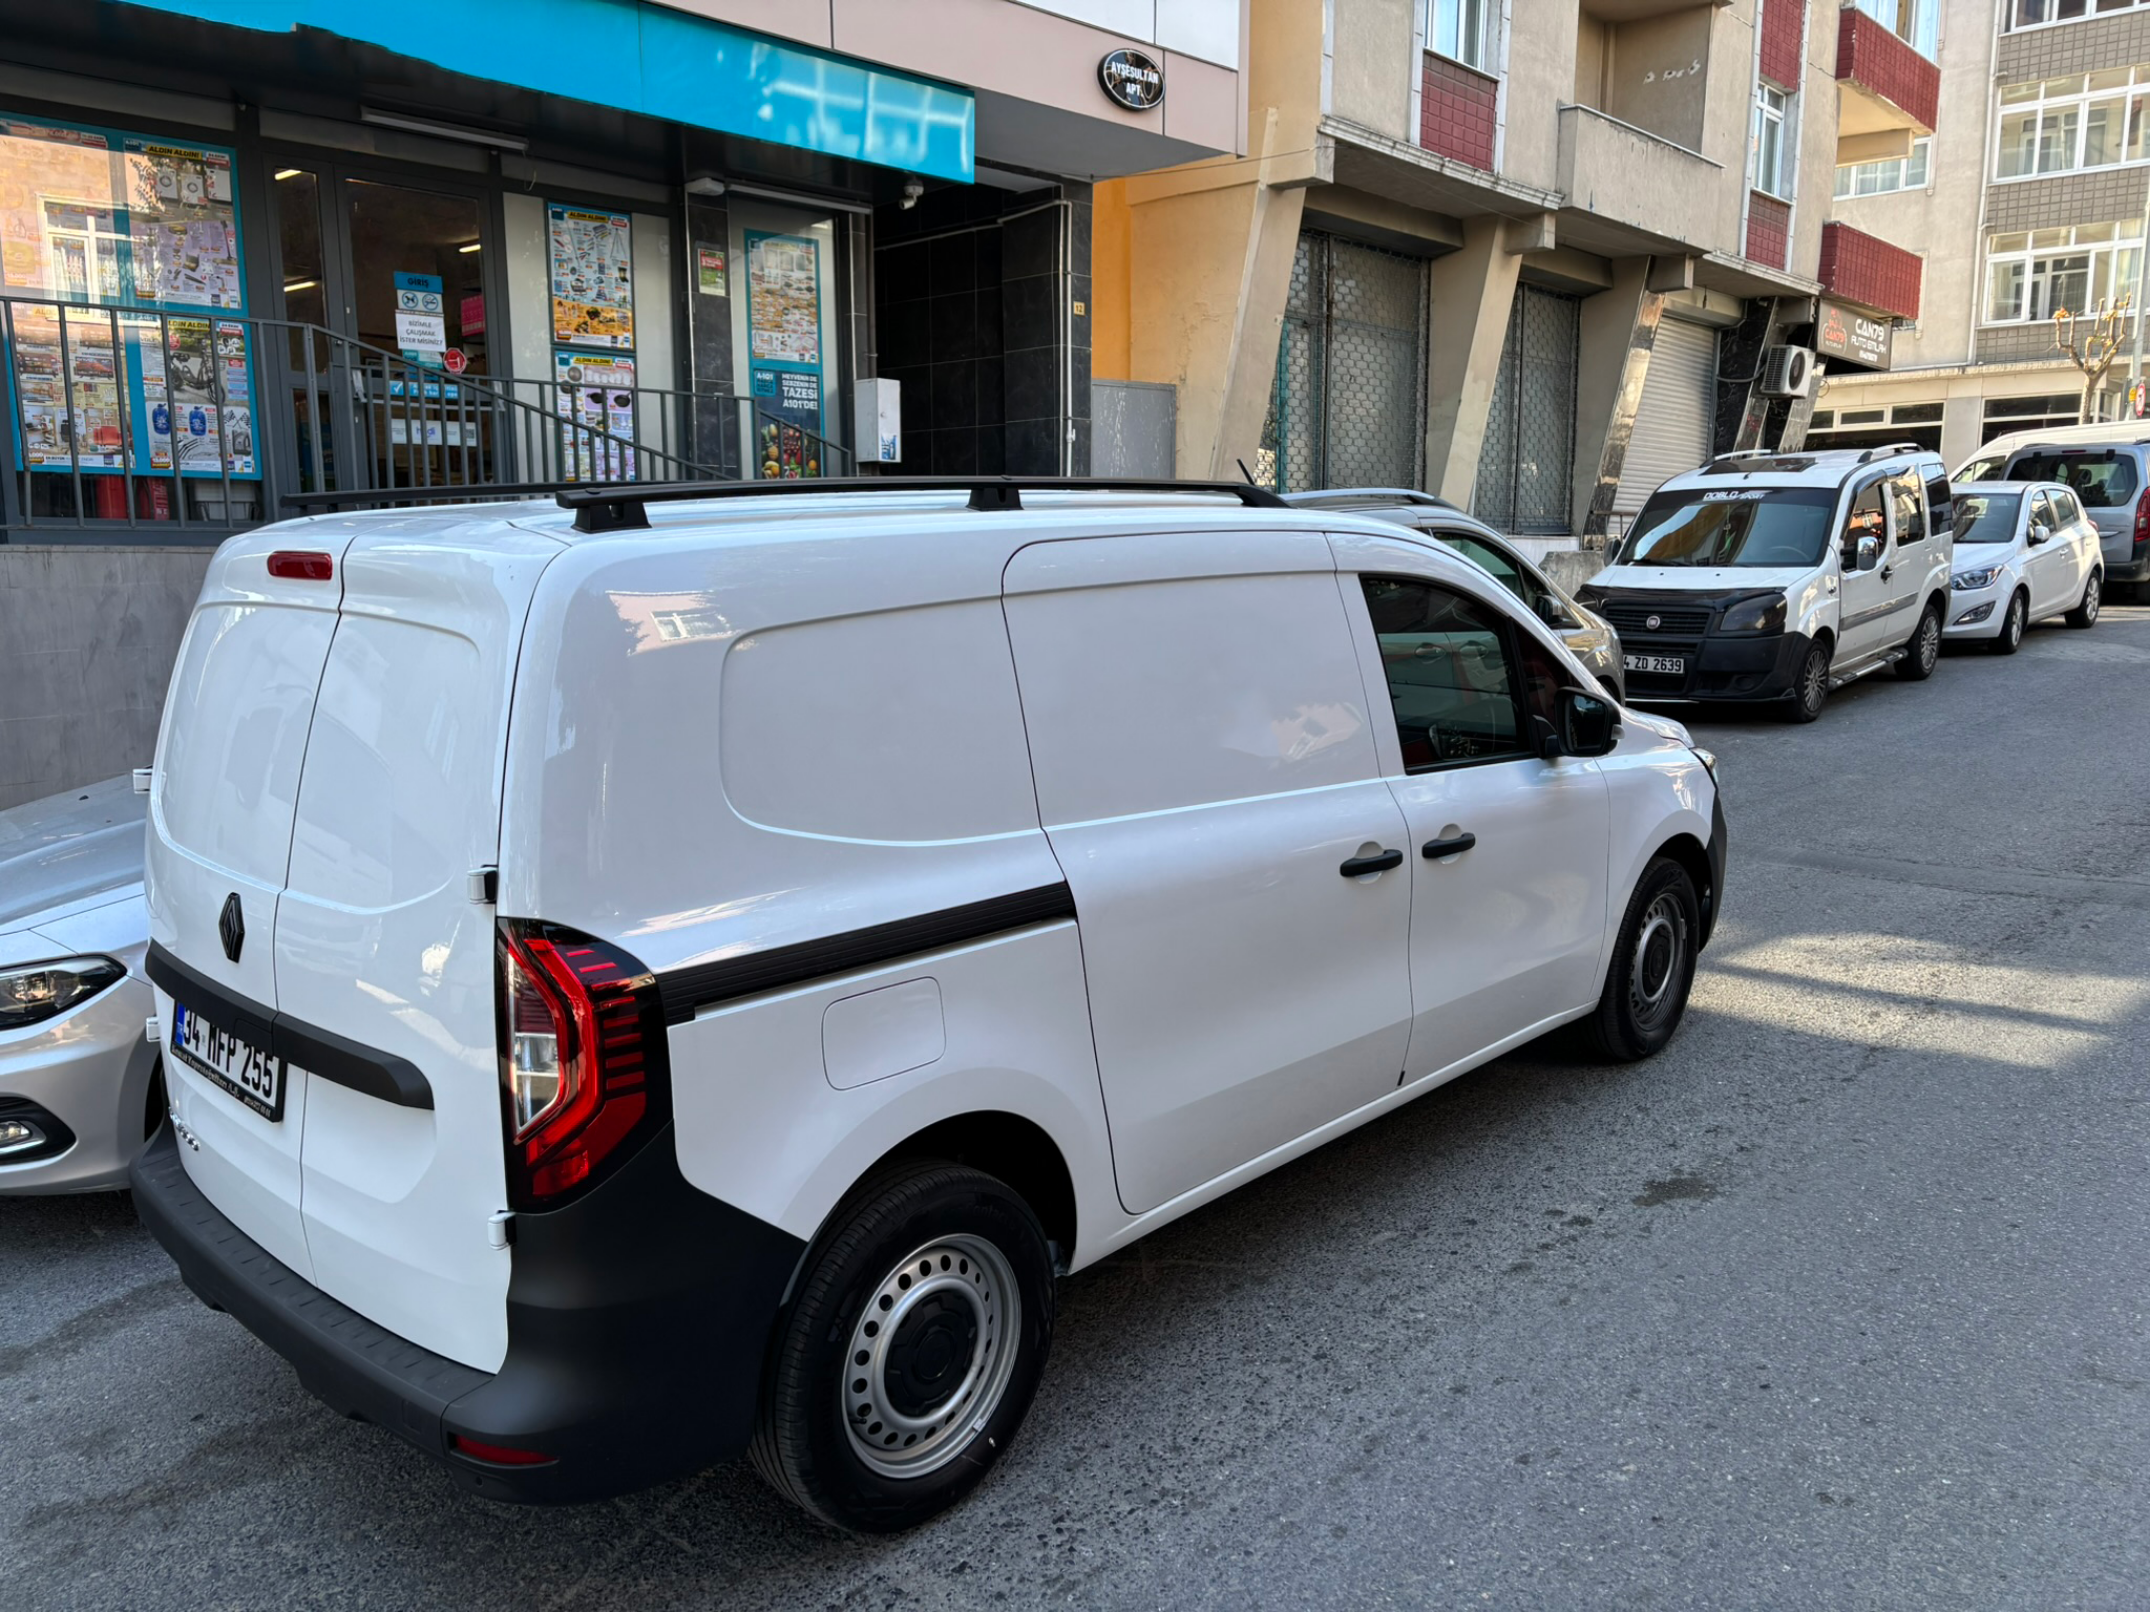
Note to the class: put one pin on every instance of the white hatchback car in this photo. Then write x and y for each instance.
(2025, 552)
(684, 970)
(79, 1081)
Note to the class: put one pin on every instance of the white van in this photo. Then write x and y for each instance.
(1776, 577)
(684, 970)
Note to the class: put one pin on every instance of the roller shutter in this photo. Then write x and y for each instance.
(1672, 425)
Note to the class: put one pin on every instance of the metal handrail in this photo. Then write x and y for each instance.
(290, 410)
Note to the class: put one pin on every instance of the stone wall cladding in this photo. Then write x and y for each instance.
(1769, 229)
(2103, 197)
(2088, 46)
(1784, 34)
(2016, 344)
(1458, 111)
(1863, 269)
(1869, 55)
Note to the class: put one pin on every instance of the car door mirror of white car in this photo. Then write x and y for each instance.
(1588, 725)
(2040, 533)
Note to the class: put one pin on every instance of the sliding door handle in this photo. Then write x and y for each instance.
(1358, 867)
(1440, 848)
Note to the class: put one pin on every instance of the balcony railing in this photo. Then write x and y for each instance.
(1864, 269)
(137, 424)
(1894, 86)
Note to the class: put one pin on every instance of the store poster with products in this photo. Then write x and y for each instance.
(784, 351)
(117, 229)
(591, 256)
(595, 392)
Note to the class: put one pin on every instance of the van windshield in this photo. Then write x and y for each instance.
(1987, 517)
(2102, 478)
(1749, 526)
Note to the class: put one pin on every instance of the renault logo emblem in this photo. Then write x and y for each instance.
(231, 926)
(1652, 623)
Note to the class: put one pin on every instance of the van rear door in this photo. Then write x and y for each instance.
(381, 951)
(229, 755)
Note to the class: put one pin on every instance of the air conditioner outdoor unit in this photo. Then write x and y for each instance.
(1787, 371)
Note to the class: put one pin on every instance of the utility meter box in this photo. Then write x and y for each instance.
(880, 421)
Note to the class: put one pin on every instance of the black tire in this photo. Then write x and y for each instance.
(1810, 689)
(2010, 638)
(950, 1318)
(1922, 650)
(1653, 966)
(2085, 613)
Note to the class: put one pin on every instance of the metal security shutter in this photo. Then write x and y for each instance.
(1349, 404)
(1527, 460)
(1672, 424)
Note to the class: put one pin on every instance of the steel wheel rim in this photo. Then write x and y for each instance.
(931, 1356)
(1654, 965)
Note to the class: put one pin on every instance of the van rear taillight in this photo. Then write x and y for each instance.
(583, 1072)
(300, 565)
(2142, 520)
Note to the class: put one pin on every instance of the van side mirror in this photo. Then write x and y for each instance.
(1588, 724)
(1861, 554)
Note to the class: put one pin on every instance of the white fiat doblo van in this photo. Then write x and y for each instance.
(678, 973)
(1777, 577)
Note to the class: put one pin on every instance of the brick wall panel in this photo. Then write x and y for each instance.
(1458, 112)
(2106, 196)
(1784, 33)
(1769, 230)
(1864, 269)
(2088, 46)
(1869, 55)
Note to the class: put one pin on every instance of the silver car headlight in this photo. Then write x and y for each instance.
(1971, 581)
(1708, 758)
(34, 992)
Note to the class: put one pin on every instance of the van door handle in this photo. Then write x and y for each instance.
(1435, 849)
(1887, 572)
(1357, 867)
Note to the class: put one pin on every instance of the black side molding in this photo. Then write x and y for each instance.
(319, 1052)
(686, 991)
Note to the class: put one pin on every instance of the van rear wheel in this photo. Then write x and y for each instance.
(910, 1354)
(1653, 966)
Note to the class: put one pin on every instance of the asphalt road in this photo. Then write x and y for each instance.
(1838, 1303)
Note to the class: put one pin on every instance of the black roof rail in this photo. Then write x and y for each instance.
(617, 507)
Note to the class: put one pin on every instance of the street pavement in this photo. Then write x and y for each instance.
(1838, 1303)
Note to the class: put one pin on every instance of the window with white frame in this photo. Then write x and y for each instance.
(1771, 164)
(1890, 173)
(1462, 30)
(2060, 125)
(1916, 22)
(2033, 13)
(2033, 274)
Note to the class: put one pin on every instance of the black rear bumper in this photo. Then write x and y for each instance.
(638, 1321)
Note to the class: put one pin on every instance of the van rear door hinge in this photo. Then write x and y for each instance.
(484, 885)
(500, 1228)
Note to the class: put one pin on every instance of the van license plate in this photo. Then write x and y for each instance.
(252, 1074)
(1675, 665)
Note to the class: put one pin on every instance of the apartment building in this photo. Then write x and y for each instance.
(2026, 196)
(1526, 254)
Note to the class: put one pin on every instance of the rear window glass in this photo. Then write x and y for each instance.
(1751, 526)
(2100, 481)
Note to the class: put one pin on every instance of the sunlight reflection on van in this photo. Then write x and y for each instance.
(661, 620)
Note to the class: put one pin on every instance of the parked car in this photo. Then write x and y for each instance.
(80, 1084)
(1589, 637)
(2110, 480)
(1992, 455)
(668, 975)
(2025, 552)
(1777, 577)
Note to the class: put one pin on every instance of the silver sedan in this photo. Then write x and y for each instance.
(80, 1083)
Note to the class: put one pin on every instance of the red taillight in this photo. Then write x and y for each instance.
(2142, 521)
(496, 1454)
(582, 1057)
(297, 565)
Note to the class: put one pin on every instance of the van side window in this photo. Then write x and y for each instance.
(1910, 501)
(1940, 503)
(1452, 680)
(2103, 478)
(1867, 518)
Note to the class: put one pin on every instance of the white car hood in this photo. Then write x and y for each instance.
(71, 852)
(1702, 579)
(1663, 726)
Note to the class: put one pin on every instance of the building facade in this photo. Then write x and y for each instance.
(255, 253)
(1526, 255)
(2027, 198)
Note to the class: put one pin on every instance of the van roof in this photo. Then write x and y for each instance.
(1824, 467)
